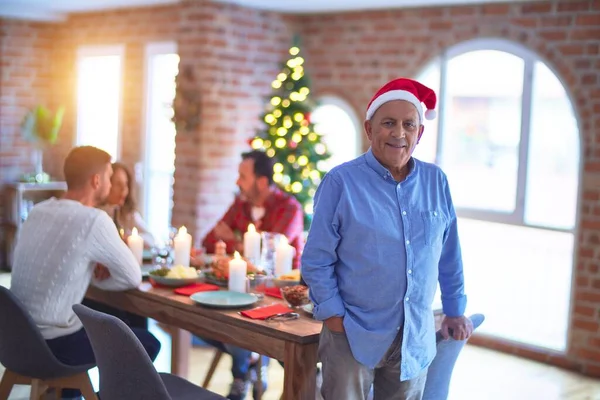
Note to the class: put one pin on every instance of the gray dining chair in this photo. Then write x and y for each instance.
(29, 360)
(439, 373)
(126, 371)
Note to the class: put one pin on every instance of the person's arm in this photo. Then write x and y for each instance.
(320, 253)
(290, 221)
(452, 285)
(105, 247)
(142, 228)
(213, 237)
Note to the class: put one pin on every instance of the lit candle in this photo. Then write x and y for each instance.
(136, 245)
(284, 256)
(182, 247)
(237, 274)
(252, 244)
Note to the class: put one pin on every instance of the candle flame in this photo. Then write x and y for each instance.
(134, 232)
(182, 230)
(237, 256)
(251, 228)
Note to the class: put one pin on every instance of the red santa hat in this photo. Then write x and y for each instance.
(408, 90)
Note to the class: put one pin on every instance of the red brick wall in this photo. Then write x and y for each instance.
(25, 80)
(234, 53)
(352, 54)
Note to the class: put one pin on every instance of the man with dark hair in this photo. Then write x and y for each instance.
(65, 245)
(263, 204)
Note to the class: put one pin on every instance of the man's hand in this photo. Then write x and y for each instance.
(461, 327)
(101, 272)
(335, 324)
(224, 232)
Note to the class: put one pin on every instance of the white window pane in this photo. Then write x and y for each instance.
(482, 129)
(520, 278)
(98, 102)
(553, 163)
(427, 147)
(339, 129)
(160, 142)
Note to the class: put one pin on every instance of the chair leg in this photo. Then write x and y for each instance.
(9, 379)
(212, 368)
(80, 381)
(259, 380)
(38, 389)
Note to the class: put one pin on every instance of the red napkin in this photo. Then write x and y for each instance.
(270, 291)
(195, 288)
(266, 312)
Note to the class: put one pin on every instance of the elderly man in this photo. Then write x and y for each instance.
(384, 232)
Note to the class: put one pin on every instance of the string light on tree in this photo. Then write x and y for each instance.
(289, 135)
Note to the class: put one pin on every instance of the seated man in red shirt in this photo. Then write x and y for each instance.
(263, 204)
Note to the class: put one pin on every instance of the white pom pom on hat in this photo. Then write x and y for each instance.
(408, 90)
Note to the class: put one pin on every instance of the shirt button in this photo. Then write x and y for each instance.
(403, 212)
(407, 299)
(408, 242)
(410, 271)
(435, 213)
(398, 328)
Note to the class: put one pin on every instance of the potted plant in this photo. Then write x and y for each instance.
(40, 127)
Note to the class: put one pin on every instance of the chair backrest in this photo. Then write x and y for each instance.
(23, 350)
(440, 370)
(126, 371)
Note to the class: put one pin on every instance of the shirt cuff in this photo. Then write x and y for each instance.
(333, 307)
(455, 307)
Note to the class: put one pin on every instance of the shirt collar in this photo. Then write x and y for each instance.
(383, 171)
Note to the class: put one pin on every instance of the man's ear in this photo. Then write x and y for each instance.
(262, 182)
(96, 181)
(421, 130)
(368, 130)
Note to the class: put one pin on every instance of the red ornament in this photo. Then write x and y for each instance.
(249, 141)
(307, 117)
(292, 144)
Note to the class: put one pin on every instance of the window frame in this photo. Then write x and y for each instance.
(334, 100)
(517, 217)
(99, 51)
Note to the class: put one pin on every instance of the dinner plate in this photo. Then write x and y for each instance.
(308, 308)
(224, 299)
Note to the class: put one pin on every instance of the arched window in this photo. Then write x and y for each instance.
(341, 130)
(508, 139)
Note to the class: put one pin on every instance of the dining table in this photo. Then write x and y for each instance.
(294, 342)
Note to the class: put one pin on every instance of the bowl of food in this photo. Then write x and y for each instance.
(295, 296)
(176, 276)
(289, 279)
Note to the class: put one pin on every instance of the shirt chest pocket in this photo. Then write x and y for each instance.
(434, 225)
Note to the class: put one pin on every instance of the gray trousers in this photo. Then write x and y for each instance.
(344, 378)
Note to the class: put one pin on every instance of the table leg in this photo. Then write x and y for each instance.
(300, 371)
(181, 343)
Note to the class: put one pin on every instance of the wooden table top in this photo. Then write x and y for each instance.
(302, 330)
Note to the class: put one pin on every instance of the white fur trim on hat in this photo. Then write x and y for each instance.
(396, 95)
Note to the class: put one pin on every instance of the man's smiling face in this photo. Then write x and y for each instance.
(394, 131)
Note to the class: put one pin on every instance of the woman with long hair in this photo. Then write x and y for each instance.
(121, 205)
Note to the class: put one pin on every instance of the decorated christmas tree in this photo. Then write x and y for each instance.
(289, 136)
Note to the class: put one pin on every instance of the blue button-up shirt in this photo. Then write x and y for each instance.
(375, 251)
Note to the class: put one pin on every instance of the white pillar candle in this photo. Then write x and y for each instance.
(182, 247)
(284, 257)
(136, 245)
(237, 274)
(252, 244)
